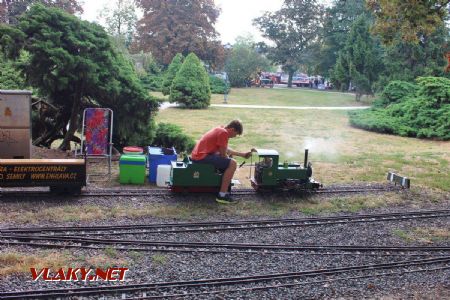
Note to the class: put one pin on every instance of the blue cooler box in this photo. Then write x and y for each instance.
(159, 156)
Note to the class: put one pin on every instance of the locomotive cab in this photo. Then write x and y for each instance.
(270, 174)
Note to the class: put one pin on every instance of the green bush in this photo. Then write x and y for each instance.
(152, 82)
(218, 85)
(395, 91)
(424, 113)
(191, 84)
(171, 135)
(171, 72)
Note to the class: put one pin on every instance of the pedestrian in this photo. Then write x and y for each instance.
(212, 148)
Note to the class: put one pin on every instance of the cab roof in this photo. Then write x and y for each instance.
(266, 152)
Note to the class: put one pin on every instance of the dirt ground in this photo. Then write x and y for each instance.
(38, 152)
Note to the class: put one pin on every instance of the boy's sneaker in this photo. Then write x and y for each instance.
(225, 199)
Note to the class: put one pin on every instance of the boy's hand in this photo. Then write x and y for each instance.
(248, 154)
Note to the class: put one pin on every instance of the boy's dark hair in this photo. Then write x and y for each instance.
(236, 125)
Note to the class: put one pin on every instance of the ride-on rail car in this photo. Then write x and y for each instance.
(65, 176)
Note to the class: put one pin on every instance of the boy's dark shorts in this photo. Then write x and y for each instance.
(217, 161)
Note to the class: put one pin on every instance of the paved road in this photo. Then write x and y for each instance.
(165, 105)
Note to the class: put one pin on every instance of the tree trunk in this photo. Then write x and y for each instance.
(51, 130)
(291, 75)
(73, 125)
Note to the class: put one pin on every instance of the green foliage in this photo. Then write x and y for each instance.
(406, 60)
(340, 18)
(10, 10)
(171, 135)
(407, 20)
(149, 71)
(244, 62)
(11, 41)
(120, 18)
(10, 76)
(395, 91)
(294, 29)
(425, 114)
(172, 71)
(71, 61)
(152, 82)
(218, 85)
(359, 63)
(191, 84)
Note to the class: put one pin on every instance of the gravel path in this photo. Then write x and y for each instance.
(159, 267)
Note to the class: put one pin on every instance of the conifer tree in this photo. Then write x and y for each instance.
(191, 84)
(174, 66)
(73, 64)
(359, 63)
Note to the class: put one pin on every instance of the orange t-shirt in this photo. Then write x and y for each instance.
(210, 143)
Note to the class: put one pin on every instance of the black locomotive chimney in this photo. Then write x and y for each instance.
(305, 164)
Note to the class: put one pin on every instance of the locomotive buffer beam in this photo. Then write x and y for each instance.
(397, 179)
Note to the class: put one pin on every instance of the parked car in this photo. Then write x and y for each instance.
(300, 81)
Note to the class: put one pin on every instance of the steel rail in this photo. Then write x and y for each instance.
(216, 281)
(288, 285)
(167, 192)
(233, 225)
(307, 252)
(87, 240)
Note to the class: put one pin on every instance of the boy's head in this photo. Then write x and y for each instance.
(236, 125)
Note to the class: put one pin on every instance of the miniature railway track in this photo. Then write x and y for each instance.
(157, 192)
(169, 246)
(318, 251)
(264, 281)
(225, 225)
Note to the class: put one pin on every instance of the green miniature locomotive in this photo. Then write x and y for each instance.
(271, 175)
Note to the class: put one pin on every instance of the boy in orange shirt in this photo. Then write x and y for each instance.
(213, 149)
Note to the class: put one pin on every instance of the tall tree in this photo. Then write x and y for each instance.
(120, 18)
(294, 29)
(73, 64)
(359, 63)
(244, 62)
(339, 18)
(408, 19)
(407, 60)
(171, 26)
(10, 10)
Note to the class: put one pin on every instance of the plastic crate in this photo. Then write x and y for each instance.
(159, 156)
(132, 169)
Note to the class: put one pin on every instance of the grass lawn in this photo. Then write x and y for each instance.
(284, 97)
(339, 153)
(287, 97)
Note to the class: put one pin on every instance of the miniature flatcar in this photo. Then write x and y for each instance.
(66, 176)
